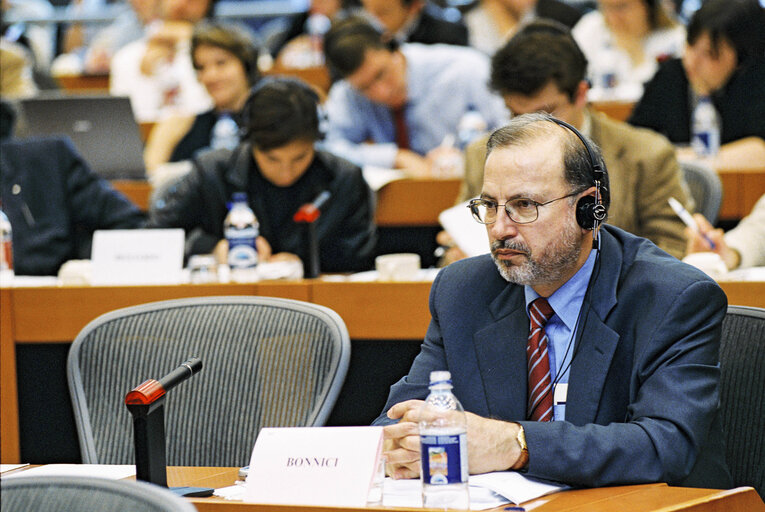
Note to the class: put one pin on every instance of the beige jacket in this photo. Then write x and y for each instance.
(643, 172)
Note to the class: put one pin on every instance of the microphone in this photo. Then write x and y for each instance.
(151, 390)
(309, 212)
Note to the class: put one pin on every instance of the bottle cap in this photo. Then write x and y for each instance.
(239, 197)
(440, 377)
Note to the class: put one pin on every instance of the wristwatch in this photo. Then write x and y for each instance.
(523, 459)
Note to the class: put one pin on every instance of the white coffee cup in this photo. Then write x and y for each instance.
(397, 267)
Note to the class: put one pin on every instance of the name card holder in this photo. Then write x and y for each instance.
(324, 466)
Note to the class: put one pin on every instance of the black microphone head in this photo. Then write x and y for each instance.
(193, 363)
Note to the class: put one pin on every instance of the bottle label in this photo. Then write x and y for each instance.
(241, 247)
(444, 459)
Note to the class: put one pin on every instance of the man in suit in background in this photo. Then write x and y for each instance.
(622, 335)
(396, 104)
(54, 201)
(415, 21)
(542, 69)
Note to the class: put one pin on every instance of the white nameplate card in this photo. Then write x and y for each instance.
(137, 256)
(469, 235)
(325, 466)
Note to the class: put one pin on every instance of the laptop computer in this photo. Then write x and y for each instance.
(102, 128)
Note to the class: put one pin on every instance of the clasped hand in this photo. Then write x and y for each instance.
(492, 444)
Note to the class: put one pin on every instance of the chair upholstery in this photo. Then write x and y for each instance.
(267, 362)
(705, 187)
(742, 394)
(68, 494)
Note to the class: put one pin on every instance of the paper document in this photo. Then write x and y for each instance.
(4, 468)
(108, 471)
(378, 177)
(487, 491)
(469, 235)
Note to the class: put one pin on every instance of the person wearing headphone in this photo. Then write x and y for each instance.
(582, 353)
(280, 170)
(225, 59)
(542, 68)
(396, 105)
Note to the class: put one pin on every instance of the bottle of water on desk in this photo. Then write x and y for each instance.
(6, 247)
(241, 228)
(705, 128)
(443, 441)
(471, 126)
(225, 132)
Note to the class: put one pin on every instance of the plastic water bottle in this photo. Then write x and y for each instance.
(443, 440)
(471, 126)
(241, 229)
(316, 26)
(225, 133)
(6, 248)
(705, 128)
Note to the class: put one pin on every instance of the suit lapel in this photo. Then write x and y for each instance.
(501, 353)
(597, 343)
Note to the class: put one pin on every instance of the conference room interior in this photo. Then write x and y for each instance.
(386, 320)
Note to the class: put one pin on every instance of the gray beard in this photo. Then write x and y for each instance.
(561, 256)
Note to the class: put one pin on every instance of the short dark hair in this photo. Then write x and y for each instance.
(281, 110)
(541, 52)
(739, 22)
(233, 39)
(578, 169)
(346, 44)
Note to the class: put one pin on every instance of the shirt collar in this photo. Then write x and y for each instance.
(567, 300)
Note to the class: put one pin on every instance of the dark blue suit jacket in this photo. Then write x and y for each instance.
(643, 387)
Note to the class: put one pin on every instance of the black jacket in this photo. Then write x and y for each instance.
(346, 231)
(55, 202)
(666, 103)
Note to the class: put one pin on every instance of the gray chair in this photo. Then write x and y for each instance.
(267, 362)
(70, 494)
(705, 188)
(742, 394)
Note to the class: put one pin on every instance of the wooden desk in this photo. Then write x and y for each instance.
(619, 110)
(632, 498)
(741, 189)
(371, 311)
(401, 203)
(84, 83)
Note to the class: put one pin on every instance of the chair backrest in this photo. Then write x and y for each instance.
(267, 362)
(68, 493)
(742, 394)
(705, 187)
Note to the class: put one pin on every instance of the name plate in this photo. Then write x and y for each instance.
(327, 466)
(137, 256)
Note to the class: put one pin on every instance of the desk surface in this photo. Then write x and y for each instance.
(376, 311)
(624, 499)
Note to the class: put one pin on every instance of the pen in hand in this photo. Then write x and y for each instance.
(688, 220)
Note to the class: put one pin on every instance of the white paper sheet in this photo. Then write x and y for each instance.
(469, 235)
(378, 177)
(4, 468)
(108, 471)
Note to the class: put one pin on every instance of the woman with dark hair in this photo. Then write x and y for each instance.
(279, 168)
(225, 59)
(623, 41)
(724, 60)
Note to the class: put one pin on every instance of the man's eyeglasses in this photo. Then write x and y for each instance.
(521, 210)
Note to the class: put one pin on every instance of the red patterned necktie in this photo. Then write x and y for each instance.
(540, 405)
(402, 131)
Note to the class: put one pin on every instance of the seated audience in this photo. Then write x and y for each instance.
(279, 169)
(415, 21)
(156, 71)
(724, 59)
(54, 201)
(290, 38)
(225, 58)
(93, 47)
(542, 69)
(396, 104)
(624, 40)
(741, 247)
(624, 336)
(491, 23)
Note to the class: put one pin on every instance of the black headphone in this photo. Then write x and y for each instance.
(590, 211)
